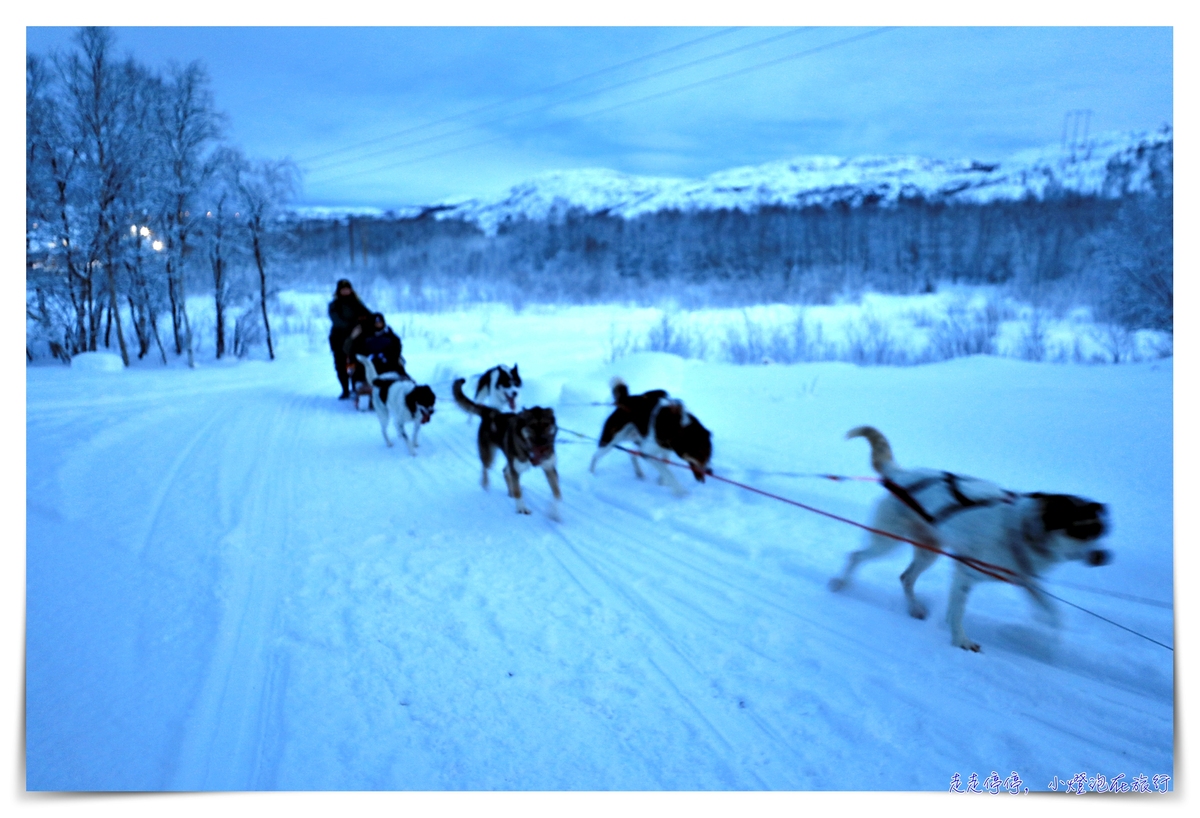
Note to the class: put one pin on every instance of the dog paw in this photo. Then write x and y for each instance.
(917, 610)
(967, 644)
(554, 515)
(836, 584)
(522, 510)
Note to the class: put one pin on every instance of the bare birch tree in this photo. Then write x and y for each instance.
(263, 188)
(187, 126)
(219, 229)
(100, 91)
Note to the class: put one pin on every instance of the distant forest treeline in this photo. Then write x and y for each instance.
(1114, 255)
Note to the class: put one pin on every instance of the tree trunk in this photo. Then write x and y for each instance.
(139, 327)
(186, 321)
(175, 316)
(219, 298)
(137, 286)
(157, 339)
(79, 343)
(79, 331)
(93, 328)
(114, 307)
(187, 335)
(262, 281)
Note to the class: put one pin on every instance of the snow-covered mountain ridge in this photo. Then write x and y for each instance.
(1108, 165)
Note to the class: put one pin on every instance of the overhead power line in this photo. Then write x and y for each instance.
(679, 89)
(557, 103)
(538, 92)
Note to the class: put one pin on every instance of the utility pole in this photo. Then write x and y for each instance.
(1072, 121)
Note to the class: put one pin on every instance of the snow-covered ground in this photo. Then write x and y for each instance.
(870, 328)
(233, 584)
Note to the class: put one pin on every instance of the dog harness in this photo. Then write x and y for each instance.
(384, 383)
(664, 401)
(961, 501)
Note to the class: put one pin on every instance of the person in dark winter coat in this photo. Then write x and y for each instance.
(348, 315)
(382, 346)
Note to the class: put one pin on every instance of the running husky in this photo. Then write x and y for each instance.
(1022, 534)
(499, 388)
(658, 425)
(525, 437)
(398, 398)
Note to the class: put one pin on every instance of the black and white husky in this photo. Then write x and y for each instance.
(397, 398)
(1023, 534)
(499, 388)
(525, 437)
(658, 425)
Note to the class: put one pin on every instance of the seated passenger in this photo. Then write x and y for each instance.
(382, 346)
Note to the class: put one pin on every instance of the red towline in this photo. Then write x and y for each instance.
(995, 571)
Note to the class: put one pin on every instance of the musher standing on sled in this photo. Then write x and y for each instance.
(348, 316)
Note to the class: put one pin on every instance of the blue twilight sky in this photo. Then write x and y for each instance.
(456, 112)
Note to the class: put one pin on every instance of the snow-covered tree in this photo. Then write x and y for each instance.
(220, 232)
(188, 126)
(99, 91)
(264, 187)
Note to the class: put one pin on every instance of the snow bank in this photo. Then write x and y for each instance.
(98, 362)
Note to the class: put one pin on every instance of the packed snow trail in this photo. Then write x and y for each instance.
(234, 584)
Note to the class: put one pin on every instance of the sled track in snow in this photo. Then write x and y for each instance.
(645, 618)
(223, 744)
(678, 673)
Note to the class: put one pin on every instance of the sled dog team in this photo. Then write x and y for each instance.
(1005, 534)
(1021, 534)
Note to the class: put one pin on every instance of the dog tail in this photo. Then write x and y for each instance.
(881, 451)
(463, 401)
(619, 389)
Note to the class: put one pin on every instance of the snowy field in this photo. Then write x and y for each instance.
(233, 584)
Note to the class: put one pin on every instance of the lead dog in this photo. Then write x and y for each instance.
(499, 388)
(525, 437)
(657, 425)
(399, 399)
(1023, 534)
